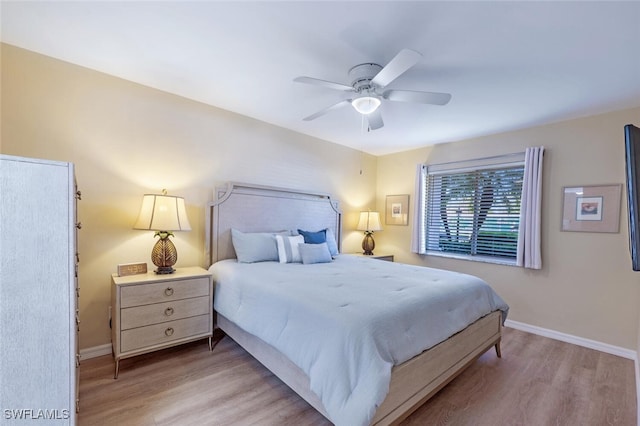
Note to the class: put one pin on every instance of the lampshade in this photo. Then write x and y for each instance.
(369, 221)
(365, 104)
(162, 213)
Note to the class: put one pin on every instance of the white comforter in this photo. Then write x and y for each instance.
(346, 323)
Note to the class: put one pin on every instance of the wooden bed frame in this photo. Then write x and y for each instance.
(254, 208)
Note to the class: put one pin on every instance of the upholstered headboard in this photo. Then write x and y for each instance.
(256, 208)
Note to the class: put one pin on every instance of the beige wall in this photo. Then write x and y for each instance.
(127, 140)
(586, 287)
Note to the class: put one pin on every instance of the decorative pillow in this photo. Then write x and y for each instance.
(314, 253)
(331, 242)
(317, 237)
(288, 251)
(324, 235)
(254, 247)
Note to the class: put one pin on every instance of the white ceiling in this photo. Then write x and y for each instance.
(508, 65)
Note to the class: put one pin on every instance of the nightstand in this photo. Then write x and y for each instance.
(384, 256)
(152, 312)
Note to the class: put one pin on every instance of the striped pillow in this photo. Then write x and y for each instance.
(288, 251)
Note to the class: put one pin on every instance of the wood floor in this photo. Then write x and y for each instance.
(538, 381)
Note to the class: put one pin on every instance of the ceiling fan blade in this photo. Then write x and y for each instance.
(375, 120)
(327, 109)
(433, 98)
(318, 82)
(397, 66)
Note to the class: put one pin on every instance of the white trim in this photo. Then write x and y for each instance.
(474, 258)
(105, 349)
(591, 344)
(580, 341)
(505, 160)
(637, 391)
(95, 351)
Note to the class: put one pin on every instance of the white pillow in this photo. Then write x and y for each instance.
(288, 251)
(254, 246)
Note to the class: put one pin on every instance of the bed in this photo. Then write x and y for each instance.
(262, 305)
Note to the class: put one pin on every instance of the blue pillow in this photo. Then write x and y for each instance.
(318, 237)
(254, 247)
(322, 236)
(314, 253)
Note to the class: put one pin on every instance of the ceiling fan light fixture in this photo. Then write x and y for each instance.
(366, 104)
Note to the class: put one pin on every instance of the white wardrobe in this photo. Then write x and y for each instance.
(38, 292)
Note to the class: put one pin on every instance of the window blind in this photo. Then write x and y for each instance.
(474, 211)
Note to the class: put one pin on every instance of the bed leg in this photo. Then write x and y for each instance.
(498, 351)
(214, 339)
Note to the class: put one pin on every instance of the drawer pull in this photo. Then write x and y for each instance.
(168, 312)
(168, 331)
(168, 291)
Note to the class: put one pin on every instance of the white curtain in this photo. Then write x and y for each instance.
(417, 236)
(528, 254)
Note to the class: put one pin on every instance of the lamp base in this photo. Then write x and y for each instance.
(368, 244)
(164, 254)
(164, 270)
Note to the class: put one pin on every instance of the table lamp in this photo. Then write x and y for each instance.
(369, 222)
(163, 214)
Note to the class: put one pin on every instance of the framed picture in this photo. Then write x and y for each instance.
(592, 208)
(397, 210)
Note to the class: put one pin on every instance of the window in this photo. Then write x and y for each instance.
(472, 210)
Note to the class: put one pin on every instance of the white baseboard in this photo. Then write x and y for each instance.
(637, 393)
(105, 349)
(95, 351)
(587, 343)
(580, 341)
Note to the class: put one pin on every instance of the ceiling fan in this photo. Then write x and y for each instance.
(367, 83)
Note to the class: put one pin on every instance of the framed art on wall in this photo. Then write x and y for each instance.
(397, 210)
(592, 208)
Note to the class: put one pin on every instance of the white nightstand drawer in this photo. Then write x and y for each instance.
(145, 294)
(139, 316)
(143, 337)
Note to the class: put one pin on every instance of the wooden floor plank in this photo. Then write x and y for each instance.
(538, 381)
